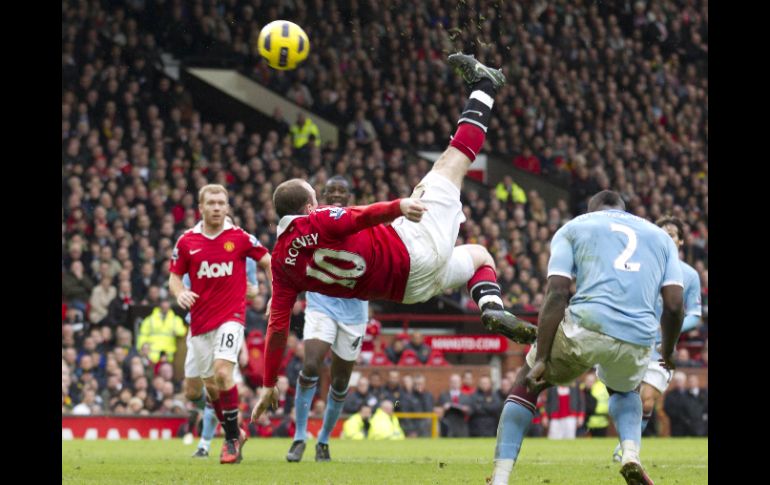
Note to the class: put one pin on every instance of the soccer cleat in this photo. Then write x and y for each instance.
(617, 455)
(231, 452)
(473, 71)
(201, 453)
(322, 452)
(506, 324)
(295, 452)
(635, 474)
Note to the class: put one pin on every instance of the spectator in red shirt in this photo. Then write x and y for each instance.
(564, 411)
(527, 161)
(469, 386)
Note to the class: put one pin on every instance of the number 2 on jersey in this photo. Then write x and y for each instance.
(347, 275)
(621, 262)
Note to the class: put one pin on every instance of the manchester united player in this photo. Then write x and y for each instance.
(214, 253)
(350, 252)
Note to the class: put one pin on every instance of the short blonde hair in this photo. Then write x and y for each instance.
(211, 189)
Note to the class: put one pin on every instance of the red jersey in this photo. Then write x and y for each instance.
(217, 268)
(343, 252)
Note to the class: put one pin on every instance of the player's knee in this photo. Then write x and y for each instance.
(340, 384)
(481, 256)
(192, 391)
(648, 403)
(223, 377)
(212, 390)
(310, 368)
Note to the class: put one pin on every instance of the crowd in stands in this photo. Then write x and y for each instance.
(608, 95)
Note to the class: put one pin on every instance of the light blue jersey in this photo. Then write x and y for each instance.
(251, 277)
(692, 306)
(350, 311)
(621, 262)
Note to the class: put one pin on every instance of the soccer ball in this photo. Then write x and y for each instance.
(283, 44)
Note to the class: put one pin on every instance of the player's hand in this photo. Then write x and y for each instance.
(186, 299)
(412, 209)
(535, 375)
(667, 362)
(251, 291)
(268, 398)
(267, 308)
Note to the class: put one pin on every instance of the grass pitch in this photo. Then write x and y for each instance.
(412, 462)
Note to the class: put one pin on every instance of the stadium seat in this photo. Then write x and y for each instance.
(437, 358)
(380, 359)
(409, 357)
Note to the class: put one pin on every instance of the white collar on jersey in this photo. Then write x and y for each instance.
(284, 223)
(198, 229)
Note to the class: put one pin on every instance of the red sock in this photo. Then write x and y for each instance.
(229, 398)
(468, 139)
(485, 273)
(484, 289)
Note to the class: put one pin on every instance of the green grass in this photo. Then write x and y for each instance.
(411, 462)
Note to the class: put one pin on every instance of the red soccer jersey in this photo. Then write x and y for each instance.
(217, 268)
(344, 252)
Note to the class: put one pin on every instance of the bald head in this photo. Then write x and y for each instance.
(605, 200)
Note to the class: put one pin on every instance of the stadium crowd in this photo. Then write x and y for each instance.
(599, 96)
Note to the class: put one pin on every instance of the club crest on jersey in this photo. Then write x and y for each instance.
(336, 212)
(215, 270)
(229, 246)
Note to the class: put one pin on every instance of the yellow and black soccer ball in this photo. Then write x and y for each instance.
(283, 44)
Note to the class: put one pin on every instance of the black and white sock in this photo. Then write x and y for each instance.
(478, 108)
(487, 295)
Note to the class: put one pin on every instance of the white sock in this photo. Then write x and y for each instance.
(630, 452)
(205, 444)
(502, 471)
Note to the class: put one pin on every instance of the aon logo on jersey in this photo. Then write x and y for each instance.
(215, 270)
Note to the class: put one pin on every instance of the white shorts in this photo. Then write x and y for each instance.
(346, 340)
(621, 365)
(435, 263)
(562, 428)
(202, 350)
(657, 376)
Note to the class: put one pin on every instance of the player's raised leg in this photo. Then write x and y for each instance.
(486, 292)
(467, 264)
(474, 120)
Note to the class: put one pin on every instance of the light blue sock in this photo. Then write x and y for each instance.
(626, 412)
(334, 402)
(209, 427)
(644, 423)
(513, 426)
(306, 387)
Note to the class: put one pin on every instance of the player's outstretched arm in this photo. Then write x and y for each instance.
(556, 300)
(281, 303)
(342, 222)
